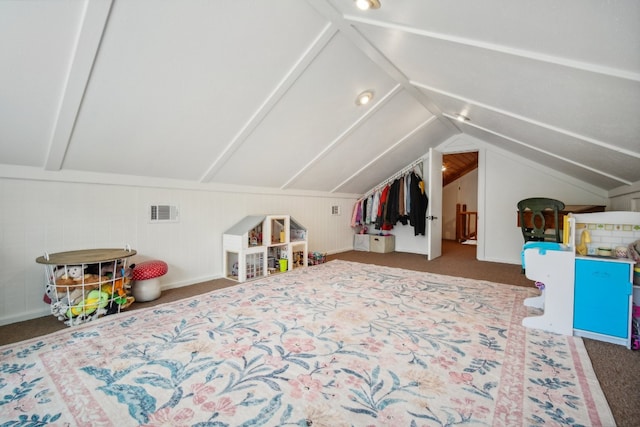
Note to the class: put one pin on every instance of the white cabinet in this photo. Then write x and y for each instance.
(603, 293)
(259, 245)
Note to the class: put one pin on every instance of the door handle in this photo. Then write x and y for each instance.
(431, 217)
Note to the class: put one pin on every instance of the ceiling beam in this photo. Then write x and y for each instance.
(548, 153)
(396, 89)
(309, 55)
(85, 50)
(385, 152)
(530, 121)
(362, 43)
(536, 56)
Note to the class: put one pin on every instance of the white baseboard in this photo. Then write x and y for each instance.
(33, 314)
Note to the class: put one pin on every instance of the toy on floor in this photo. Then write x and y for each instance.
(635, 328)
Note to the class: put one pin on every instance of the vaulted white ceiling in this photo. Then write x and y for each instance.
(262, 93)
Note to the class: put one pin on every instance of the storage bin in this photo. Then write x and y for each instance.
(315, 258)
(382, 244)
(361, 242)
(83, 285)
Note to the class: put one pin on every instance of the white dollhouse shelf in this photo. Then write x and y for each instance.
(259, 245)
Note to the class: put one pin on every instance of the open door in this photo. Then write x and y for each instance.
(434, 211)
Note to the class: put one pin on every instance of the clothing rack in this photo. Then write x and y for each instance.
(396, 175)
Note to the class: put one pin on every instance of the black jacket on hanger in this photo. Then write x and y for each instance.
(393, 204)
(419, 204)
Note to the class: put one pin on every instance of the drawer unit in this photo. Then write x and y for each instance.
(602, 299)
(382, 244)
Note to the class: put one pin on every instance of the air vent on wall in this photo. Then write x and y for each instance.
(163, 213)
(335, 210)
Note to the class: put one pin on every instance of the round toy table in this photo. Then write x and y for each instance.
(86, 256)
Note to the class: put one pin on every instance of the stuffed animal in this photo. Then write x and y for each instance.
(62, 301)
(74, 272)
(68, 275)
(50, 293)
(634, 251)
(116, 289)
(59, 309)
(94, 300)
(109, 268)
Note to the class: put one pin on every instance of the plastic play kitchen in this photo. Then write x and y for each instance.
(586, 291)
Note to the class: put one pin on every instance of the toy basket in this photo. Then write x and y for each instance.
(316, 258)
(84, 285)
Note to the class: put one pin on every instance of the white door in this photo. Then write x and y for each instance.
(434, 210)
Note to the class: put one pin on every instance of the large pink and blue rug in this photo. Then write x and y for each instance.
(338, 344)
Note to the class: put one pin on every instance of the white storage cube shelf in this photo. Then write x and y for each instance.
(258, 245)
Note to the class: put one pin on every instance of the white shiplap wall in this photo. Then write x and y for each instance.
(509, 179)
(38, 213)
(41, 215)
(626, 198)
(463, 190)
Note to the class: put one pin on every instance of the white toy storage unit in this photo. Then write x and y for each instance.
(259, 245)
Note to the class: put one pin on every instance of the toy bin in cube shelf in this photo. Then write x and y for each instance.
(84, 285)
(316, 258)
(382, 244)
(361, 242)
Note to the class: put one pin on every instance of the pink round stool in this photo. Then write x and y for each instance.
(147, 279)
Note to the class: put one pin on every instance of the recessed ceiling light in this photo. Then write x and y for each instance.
(364, 98)
(367, 4)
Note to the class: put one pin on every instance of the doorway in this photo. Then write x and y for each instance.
(460, 197)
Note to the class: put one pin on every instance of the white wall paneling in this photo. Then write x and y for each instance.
(38, 216)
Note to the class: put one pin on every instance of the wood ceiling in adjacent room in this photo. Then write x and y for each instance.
(458, 165)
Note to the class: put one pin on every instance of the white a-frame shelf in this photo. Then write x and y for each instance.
(260, 245)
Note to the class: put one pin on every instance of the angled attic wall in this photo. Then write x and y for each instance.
(626, 198)
(503, 180)
(509, 179)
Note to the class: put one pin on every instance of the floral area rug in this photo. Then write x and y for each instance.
(337, 344)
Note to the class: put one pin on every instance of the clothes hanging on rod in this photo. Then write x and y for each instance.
(401, 198)
(416, 166)
(369, 209)
(420, 203)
